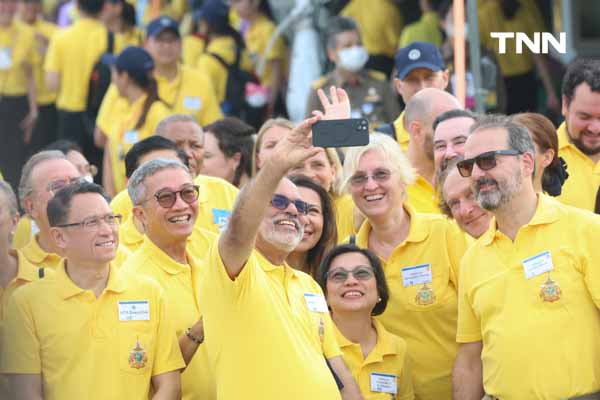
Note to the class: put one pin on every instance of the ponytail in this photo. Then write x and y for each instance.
(151, 89)
(554, 177)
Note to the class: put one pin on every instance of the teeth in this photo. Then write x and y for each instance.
(290, 223)
(353, 294)
(106, 244)
(374, 197)
(180, 220)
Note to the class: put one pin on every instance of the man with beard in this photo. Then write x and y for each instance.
(529, 296)
(267, 325)
(422, 109)
(579, 135)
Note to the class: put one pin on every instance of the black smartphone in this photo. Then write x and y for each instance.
(341, 133)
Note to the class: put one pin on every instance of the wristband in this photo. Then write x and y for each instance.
(195, 339)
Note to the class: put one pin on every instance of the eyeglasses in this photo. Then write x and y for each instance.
(361, 273)
(167, 198)
(380, 175)
(485, 161)
(93, 223)
(58, 184)
(281, 202)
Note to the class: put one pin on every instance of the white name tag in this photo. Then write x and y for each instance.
(316, 302)
(417, 275)
(5, 59)
(131, 137)
(134, 310)
(538, 264)
(192, 103)
(383, 383)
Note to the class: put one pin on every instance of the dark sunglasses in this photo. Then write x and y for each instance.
(281, 202)
(167, 198)
(485, 161)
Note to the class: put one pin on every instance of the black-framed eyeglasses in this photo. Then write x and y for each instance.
(55, 186)
(485, 161)
(360, 273)
(167, 198)
(281, 202)
(93, 223)
(379, 175)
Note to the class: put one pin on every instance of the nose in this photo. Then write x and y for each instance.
(370, 184)
(179, 203)
(476, 172)
(466, 208)
(350, 280)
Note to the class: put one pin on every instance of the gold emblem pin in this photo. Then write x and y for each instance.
(550, 290)
(425, 296)
(321, 329)
(137, 356)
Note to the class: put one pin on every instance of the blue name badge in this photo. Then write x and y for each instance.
(221, 218)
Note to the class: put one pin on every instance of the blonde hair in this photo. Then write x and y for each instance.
(270, 123)
(336, 164)
(390, 152)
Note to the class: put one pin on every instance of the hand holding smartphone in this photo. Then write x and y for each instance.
(341, 133)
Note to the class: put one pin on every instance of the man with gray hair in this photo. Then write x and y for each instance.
(529, 298)
(165, 202)
(43, 175)
(187, 135)
(370, 93)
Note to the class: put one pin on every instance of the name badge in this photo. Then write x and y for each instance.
(383, 383)
(316, 302)
(131, 137)
(192, 103)
(134, 310)
(221, 218)
(5, 58)
(417, 275)
(538, 264)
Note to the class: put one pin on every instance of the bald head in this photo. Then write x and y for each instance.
(427, 104)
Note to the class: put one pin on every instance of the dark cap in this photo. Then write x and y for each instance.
(418, 55)
(161, 24)
(214, 12)
(136, 61)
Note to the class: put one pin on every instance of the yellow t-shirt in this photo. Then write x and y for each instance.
(260, 323)
(429, 329)
(387, 361)
(402, 136)
(344, 217)
(380, 24)
(192, 48)
(422, 196)
(191, 93)
(17, 49)
(426, 29)
(112, 110)
(43, 95)
(180, 284)
(72, 53)
(95, 351)
(582, 185)
(133, 37)
(554, 347)
(121, 204)
(124, 135)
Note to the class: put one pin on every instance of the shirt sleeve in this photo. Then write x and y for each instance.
(468, 326)
(103, 120)
(404, 381)
(210, 111)
(590, 257)
(330, 346)
(457, 245)
(52, 61)
(168, 355)
(20, 344)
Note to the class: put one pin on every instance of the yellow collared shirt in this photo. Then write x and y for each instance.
(429, 330)
(426, 29)
(180, 283)
(554, 345)
(388, 357)
(422, 196)
(112, 109)
(260, 323)
(344, 216)
(43, 95)
(582, 185)
(402, 136)
(192, 48)
(94, 352)
(17, 50)
(38, 256)
(24, 231)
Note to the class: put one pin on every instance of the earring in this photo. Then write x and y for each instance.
(379, 299)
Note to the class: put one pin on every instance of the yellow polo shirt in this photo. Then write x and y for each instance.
(260, 323)
(191, 93)
(380, 24)
(121, 204)
(93, 353)
(426, 29)
(192, 48)
(554, 346)
(344, 216)
(582, 185)
(112, 109)
(43, 95)
(72, 53)
(422, 196)
(402, 136)
(124, 135)
(180, 284)
(388, 359)
(17, 48)
(429, 330)
(24, 231)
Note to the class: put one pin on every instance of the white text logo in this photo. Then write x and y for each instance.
(539, 44)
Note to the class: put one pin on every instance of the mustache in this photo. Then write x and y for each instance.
(484, 181)
(290, 217)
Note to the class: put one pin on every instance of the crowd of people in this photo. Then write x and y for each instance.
(173, 238)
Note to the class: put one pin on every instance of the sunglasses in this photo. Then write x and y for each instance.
(281, 202)
(485, 161)
(340, 275)
(167, 198)
(379, 175)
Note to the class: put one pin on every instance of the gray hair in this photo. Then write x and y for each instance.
(9, 198)
(135, 186)
(25, 188)
(338, 25)
(518, 135)
(163, 125)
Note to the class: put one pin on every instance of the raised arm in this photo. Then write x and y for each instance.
(237, 242)
(467, 378)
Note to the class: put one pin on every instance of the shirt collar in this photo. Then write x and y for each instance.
(37, 255)
(268, 266)
(384, 346)
(202, 188)
(417, 232)
(563, 137)
(26, 271)
(68, 289)
(162, 259)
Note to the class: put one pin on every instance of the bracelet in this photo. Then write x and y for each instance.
(190, 335)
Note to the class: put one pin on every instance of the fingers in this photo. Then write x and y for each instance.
(342, 95)
(323, 98)
(318, 113)
(334, 95)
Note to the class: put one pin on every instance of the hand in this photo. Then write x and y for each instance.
(338, 108)
(296, 146)
(28, 124)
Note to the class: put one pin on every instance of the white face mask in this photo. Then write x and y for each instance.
(88, 178)
(353, 58)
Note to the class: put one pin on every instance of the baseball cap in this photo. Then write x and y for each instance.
(134, 60)
(161, 24)
(418, 55)
(215, 12)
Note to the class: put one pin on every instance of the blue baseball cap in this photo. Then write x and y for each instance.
(215, 12)
(161, 24)
(418, 55)
(134, 60)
